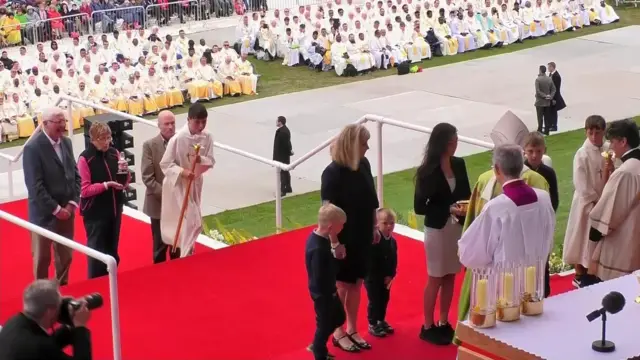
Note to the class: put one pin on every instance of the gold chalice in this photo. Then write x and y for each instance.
(463, 204)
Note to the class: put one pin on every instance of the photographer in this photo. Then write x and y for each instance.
(26, 336)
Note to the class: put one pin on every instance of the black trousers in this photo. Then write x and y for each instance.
(552, 116)
(285, 181)
(544, 119)
(103, 235)
(329, 316)
(378, 296)
(160, 249)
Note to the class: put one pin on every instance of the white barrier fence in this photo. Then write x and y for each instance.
(112, 268)
(379, 120)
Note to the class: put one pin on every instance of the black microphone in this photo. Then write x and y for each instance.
(612, 303)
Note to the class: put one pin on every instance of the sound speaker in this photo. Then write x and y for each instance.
(117, 124)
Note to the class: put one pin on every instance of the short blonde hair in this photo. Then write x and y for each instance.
(387, 213)
(98, 130)
(331, 214)
(345, 148)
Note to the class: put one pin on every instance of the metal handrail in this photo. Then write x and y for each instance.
(278, 166)
(112, 268)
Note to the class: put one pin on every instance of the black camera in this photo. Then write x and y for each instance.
(93, 301)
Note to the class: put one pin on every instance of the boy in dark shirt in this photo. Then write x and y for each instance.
(534, 148)
(321, 252)
(383, 271)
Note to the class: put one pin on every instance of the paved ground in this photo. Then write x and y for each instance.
(600, 73)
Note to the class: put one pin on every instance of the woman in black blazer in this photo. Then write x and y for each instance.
(441, 181)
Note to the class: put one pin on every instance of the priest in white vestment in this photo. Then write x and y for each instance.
(475, 28)
(248, 80)
(246, 36)
(448, 43)
(362, 61)
(515, 227)
(606, 13)
(588, 181)
(460, 30)
(380, 54)
(176, 164)
(615, 220)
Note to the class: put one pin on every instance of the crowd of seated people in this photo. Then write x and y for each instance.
(32, 21)
(380, 34)
(139, 73)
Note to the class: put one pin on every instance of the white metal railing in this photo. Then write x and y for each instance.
(379, 120)
(112, 268)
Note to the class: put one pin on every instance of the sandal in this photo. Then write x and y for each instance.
(353, 348)
(362, 345)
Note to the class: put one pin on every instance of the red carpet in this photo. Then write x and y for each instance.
(246, 302)
(16, 266)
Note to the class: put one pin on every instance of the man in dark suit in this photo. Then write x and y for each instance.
(545, 91)
(53, 186)
(282, 152)
(25, 335)
(558, 102)
(152, 177)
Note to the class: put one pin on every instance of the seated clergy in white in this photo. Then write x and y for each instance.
(606, 13)
(615, 220)
(516, 226)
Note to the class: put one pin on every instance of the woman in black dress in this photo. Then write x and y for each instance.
(347, 183)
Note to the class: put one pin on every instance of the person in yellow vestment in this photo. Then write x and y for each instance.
(11, 29)
(9, 126)
(171, 86)
(448, 43)
(17, 110)
(37, 104)
(80, 111)
(248, 80)
(151, 87)
(509, 129)
(228, 70)
(132, 93)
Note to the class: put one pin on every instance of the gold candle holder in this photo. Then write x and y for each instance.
(482, 319)
(531, 306)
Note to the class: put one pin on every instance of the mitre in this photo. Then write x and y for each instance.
(509, 130)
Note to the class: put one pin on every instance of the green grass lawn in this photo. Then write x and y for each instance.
(301, 210)
(276, 79)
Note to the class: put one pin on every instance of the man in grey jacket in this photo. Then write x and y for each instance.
(53, 185)
(545, 91)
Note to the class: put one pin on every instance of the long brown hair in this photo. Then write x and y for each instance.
(345, 148)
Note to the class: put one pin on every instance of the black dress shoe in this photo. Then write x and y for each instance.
(433, 335)
(447, 332)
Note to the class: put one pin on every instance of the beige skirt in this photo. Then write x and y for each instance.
(441, 248)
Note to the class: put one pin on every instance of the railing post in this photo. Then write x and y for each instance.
(70, 119)
(380, 178)
(112, 268)
(278, 202)
(10, 180)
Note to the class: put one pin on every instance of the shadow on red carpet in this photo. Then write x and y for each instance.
(16, 265)
(247, 302)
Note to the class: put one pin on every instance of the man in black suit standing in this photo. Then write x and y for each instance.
(545, 91)
(25, 335)
(558, 102)
(53, 186)
(282, 152)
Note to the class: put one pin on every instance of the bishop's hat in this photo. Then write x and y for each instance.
(509, 130)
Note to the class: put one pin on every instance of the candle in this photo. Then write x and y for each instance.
(481, 294)
(530, 280)
(508, 286)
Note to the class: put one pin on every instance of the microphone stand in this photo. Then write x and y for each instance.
(603, 345)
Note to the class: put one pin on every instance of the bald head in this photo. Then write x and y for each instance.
(167, 124)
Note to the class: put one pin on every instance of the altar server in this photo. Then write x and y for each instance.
(615, 220)
(176, 165)
(509, 130)
(588, 181)
(513, 227)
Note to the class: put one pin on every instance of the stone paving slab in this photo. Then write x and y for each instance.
(600, 74)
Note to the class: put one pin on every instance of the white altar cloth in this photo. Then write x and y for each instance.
(562, 332)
